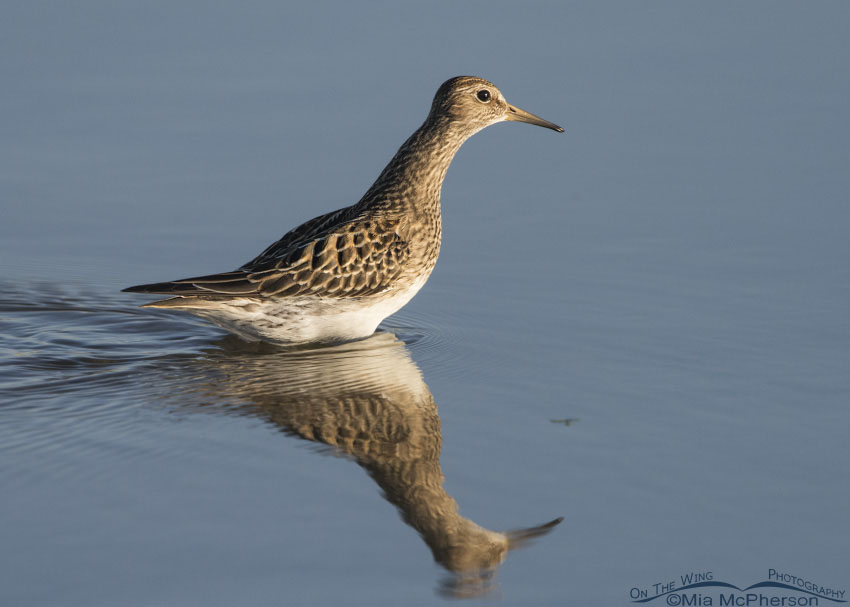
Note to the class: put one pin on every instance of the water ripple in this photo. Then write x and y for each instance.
(76, 363)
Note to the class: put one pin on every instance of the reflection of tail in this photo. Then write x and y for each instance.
(369, 402)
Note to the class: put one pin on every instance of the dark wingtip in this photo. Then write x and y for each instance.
(158, 287)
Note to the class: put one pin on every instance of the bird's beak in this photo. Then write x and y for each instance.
(515, 114)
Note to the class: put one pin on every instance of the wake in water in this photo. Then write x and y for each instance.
(73, 365)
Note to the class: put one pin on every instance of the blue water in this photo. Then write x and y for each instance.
(640, 326)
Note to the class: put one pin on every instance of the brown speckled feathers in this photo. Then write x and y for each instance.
(330, 255)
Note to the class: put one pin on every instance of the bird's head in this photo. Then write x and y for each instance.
(476, 103)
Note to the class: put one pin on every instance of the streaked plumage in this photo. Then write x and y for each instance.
(335, 277)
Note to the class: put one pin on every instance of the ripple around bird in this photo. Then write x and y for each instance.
(75, 357)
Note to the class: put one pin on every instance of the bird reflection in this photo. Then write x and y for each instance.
(367, 401)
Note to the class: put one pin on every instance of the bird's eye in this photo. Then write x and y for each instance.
(483, 95)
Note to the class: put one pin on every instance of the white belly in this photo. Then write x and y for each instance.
(298, 320)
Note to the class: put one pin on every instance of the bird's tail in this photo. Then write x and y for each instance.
(183, 302)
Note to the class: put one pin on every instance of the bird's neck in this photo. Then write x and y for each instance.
(412, 180)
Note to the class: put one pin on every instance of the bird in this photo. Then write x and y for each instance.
(334, 278)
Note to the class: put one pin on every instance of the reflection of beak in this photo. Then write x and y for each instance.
(520, 537)
(517, 115)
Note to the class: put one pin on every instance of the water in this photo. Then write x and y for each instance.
(640, 326)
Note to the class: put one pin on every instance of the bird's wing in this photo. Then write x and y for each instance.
(332, 255)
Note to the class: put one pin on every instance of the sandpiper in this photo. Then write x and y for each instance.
(337, 276)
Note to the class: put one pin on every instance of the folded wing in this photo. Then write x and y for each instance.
(331, 255)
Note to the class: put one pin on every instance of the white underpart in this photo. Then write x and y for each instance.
(312, 319)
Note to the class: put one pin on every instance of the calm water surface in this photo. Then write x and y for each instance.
(640, 326)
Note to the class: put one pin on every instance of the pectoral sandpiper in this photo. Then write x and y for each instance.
(336, 277)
